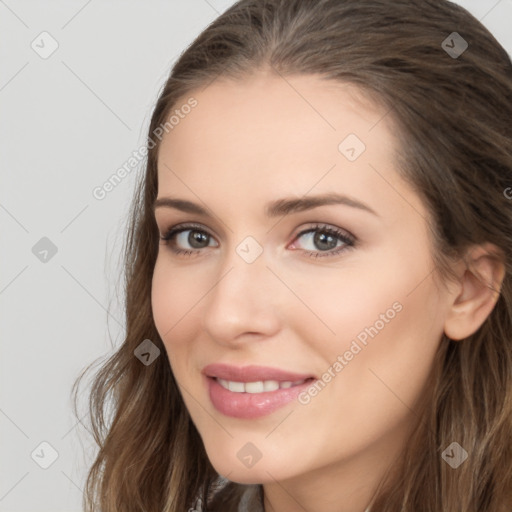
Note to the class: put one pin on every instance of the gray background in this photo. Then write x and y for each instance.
(68, 122)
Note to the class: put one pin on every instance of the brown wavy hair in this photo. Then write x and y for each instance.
(453, 116)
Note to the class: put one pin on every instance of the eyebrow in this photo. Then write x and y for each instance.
(276, 208)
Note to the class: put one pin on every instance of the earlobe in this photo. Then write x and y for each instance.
(479, 289)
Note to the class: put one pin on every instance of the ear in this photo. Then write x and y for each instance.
(480, 278)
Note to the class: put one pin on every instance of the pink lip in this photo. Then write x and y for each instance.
(251, 373)
(251, 405)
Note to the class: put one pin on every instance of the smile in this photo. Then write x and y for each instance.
(259, 386)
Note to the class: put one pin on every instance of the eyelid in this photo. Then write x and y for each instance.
(186, 226)
(321, 226)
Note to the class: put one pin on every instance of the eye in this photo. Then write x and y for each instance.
(318, 240)
(323, 241)
(187, 239)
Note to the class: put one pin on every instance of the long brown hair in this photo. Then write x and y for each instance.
(453, 115)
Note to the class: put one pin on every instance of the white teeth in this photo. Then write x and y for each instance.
(223, 383)
(270, 385)
(258, 386)
(237, 387)
(254, 387)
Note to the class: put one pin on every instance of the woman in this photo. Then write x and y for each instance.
(320, 250)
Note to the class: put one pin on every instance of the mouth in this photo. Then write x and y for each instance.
(251, 392)
(259, 386)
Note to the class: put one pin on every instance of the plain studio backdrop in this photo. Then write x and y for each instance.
(78, 81)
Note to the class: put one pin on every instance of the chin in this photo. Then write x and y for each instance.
(243, 472)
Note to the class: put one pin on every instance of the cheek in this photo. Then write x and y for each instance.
(385, 317)
(174, 293)
(387, 353)
(164, 300)
(385, 361)
(337, 305)
(174, 297)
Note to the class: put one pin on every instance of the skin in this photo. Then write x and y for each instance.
(264, 138)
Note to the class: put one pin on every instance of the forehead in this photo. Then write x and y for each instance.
(271, 136)
(265, 116)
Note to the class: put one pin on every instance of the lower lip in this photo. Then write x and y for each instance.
(251, 405)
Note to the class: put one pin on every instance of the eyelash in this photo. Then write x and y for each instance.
(346, 238)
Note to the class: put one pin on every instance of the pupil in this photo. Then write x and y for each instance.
(324, 241)
(195, 238)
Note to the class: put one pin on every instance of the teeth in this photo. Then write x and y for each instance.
(254, 387)
(270, 385)
(258, 386)
(237, 387)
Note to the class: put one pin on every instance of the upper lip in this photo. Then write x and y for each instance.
(251, 373)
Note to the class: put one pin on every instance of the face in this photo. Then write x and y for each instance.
(298, 276)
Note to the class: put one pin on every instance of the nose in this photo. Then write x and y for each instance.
(243, 305)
